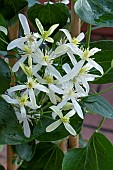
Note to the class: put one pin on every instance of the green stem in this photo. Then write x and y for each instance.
(4, 41)
(100, 125)
(88, 35)
(109, 88)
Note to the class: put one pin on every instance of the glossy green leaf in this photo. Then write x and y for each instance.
(49, 14)
(9, 9)
(95, 12)
(96, 156)
(41, 134)
(2, 168)
(47, 157)
(104, 58)
(5, 76)
(99, 105)
(26, 151)
(10, 131)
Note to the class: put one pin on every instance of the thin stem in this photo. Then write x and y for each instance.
(100, 125)
(3, 41)
(88, 35)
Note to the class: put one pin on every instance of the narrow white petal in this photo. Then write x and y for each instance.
(80, 37)
(36, 68)
(24, 23)
(3, 29)
(53, 126)
(85, 84)
(68, 35)
(95, 65)
(23, 111)
(70, 129)
(94, 50)
(52, 97)
(39, 25)
(41, 88)
(75, 49)
(16, 43)
(72, 57)
(60, 50)
(66, 67)
(71, 113)
(56, 89)
(62, 103)
(54, 71)
(16, 88)
(32, 97)
(77, 108)
(49, 39)
(29, 104)
(17, 65)
(52, 28)
(9, 100)
(56, 110)
(27, 131)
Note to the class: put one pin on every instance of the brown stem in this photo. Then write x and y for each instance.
(63, 145)
(13, 34)
(75, 30)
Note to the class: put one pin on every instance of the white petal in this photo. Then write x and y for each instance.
(71, 113)
(24, 23)
(3, 29)
(56, 89)
(66, 67)
(23, 111)
(17, 65)
(77, 108)
(75, 49)
(72, 57)
(70, 129)
(52, 28)
(36, 68)
(19, 42)
(60, 50)
(39, 25)
(95, 65)
(27, 131)
(68, 35)
(29, 104)
(94, 50)
(54, 71)
(53, 126)
(49, 39)
(52, 97)
(9, 100)
(41, 88)
(62, 103)
(85, 84)
(16, 88)
(56, 110)
(37, 35)
(32, 97)
(80, 37)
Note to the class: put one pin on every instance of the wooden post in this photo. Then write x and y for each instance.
(13, 34)
(63, 145)
(75, 30)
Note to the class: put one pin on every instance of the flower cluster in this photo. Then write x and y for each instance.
(63, 84)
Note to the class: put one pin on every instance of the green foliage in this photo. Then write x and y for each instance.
(97, 155)
(60, 133)
(47, 156)
(60, 14)
(2, 168)
(98, 104)
(104, 58)
(5, 76)
(98, 12)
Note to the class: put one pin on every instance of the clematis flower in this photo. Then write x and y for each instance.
(63, 119)
(69, 94)
(30, 85)
(44, 35)
(3, 29)
(21, 101)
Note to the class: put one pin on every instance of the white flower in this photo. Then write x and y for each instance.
(63, 119)
(30, 86)
(69, 94)
(3, 29)
(22, 101)
(44, 35)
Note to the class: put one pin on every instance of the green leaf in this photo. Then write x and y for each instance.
(9, 9)
(100, 106)
(26, 150)
(2, 168)
(5, 76)
(47, 157)
(10, 131)
(41, 134)
(55, 13)
(95, 12)
(104, 58)
(96, 156)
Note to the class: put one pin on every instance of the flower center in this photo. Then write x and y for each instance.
(70, 92)
(46, 58)
(49, 79)
(31, 84)
(82, 71)
(75, 41)
(65, 119)
(45, 35)
(27, 49)
(23, 100)
(86, 54)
